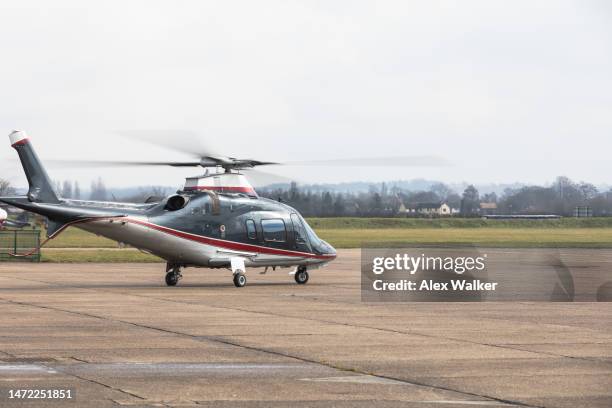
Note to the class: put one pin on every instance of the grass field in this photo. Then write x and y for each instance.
(75, 245)
(97, 256)
(441, 223)
(507, 237)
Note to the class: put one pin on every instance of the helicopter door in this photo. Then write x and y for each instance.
(300, 239)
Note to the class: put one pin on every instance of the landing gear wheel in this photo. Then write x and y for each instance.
(172, 278)
(240, 280)
(301, 276)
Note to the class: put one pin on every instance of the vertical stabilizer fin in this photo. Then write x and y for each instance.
(41, 189)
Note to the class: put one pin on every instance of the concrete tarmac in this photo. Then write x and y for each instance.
(117, 336)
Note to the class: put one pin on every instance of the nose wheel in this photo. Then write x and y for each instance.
(172, 278)
(301, 275)
(173, 275)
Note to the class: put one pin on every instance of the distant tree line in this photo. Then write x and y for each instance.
(560, 198)
(99, 192)
(68, 189)
(379, 201)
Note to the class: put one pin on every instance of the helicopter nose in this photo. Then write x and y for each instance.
(329, 250)
(333, 252)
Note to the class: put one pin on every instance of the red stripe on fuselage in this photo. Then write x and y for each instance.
(237, 246)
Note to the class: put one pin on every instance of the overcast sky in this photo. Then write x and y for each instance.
(507, 91)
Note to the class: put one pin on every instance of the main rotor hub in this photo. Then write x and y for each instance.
(227, 182)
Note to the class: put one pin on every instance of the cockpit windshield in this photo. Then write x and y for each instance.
(317, 244)
(312, 236)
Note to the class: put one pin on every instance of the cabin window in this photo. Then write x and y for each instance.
(273, 230)
(251, 232)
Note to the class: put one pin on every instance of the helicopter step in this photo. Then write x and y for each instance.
(173, 274)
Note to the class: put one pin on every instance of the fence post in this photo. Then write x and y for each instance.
(15, 243)
(38, 254)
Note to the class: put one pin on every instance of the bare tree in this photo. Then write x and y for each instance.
(98, 190)
(441, 190)
(6, 188)
(588, 190)
(470, 201)
(66, 189)
(489, 197)
(77, 191)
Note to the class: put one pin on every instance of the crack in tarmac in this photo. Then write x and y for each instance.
(78, 376)
(333, 322)
(226, 341)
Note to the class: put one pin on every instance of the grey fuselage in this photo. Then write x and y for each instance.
(209, 230)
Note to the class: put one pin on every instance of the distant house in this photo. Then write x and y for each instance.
(488, 208)
(583, 211)
(437, 209)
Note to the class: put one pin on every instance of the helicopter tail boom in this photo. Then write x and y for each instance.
(41, 188)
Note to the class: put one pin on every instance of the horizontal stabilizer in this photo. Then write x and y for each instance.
(15, 224)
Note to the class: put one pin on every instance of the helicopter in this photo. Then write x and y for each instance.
(5, 222)
(217, 220)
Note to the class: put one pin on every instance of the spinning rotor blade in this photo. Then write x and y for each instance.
(184, 141)
(204, 162)
(406, 161)
(260, 178)
(189, 142)
(111, 163)
(393, 161)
